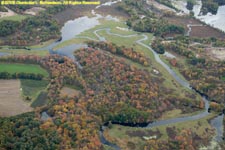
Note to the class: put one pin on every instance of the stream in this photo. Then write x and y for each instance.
(73, 28)
(217, 122)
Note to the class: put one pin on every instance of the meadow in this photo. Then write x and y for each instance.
(26, 68)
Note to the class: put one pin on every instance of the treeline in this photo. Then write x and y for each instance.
(128, 114)
(27, 132)
(207, 77)
(211, 6)
(3, 9)
(77, 128)
(8, 27)
(190, 4)
(143, 20)
(180, 48)
(49, 9)
(167, 3)
(19, 8)
(158, 47)
(70, 127)
(129, 53)
(62, 70)
(158, 27)
(115, 89)
(32, 30)
(21, 75)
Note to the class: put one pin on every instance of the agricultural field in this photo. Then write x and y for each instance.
(40, 100)
(31, 89)
(120, 90)
(11, 101)
(26, 68)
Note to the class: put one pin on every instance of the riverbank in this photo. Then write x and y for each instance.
(104, 34)
(194, 127)
(124, 135)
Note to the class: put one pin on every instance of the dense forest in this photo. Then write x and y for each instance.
(33, 29)
(112, 91)
(211, 6)
(143, 20)
(129, 53)
(190, 4)
(120, 87)
(8, 27)
(54, 133)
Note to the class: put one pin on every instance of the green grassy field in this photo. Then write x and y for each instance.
(89, 33)
(15, 18)
(32, 88)
(70, 42)
(27, 68)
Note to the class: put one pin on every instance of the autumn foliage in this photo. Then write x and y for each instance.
(129, 53)
(112, 91)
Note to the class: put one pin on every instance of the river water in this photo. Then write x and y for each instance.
(217, 123)
(78, 25)
(69, 31)
(74, 27)
(182, 119)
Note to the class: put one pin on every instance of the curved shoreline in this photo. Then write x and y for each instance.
(158, 60)
(169, 70)
(177, 78)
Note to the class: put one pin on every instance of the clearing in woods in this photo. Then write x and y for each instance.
(70, 92)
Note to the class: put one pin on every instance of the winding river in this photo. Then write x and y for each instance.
(73, 28)
(217, 122)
